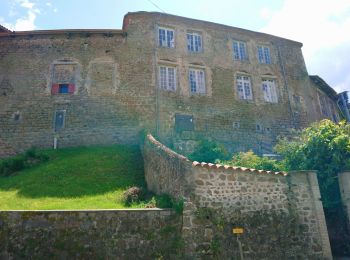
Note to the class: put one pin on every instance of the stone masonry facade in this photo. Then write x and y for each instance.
(179, 78)
(90, 234)
(271, 207)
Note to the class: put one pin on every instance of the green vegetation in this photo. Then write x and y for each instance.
(209, 151)
(324, 147)
(72, 178)
(23, 161)
(251, 160)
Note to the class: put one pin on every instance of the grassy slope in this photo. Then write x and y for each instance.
(75, 178)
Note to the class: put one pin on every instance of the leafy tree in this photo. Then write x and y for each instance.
(324, 147)
(209, 151)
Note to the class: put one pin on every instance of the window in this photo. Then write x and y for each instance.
(244, 90)
(269, 89)
(184, 123)
(264, 55)
(239, 51)
(59, 119)
(194, 42)
(197, 81)
(166, 37)
(167, 78)
(64, 77)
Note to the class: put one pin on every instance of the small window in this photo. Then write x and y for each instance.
(269, 89)
(264, 55)
(63, 88)
(244, 89)
(166, 37)
(239, 50)
(167, 78)
(197, 81)
(59, 119)
(194, 42)
(236, 125)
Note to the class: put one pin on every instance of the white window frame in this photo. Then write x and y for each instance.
(194, 42)
(264, 54)
(244, 87)
(167, 77)
(239, 50)
(270, 90)
(196, 81)
(166, 37)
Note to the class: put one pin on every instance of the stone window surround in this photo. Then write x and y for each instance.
(197, 68)
(64, 61)
(168, 65)
(166, 28)
(266, 56)
(275, 88)
(242, 59)
(194, 33)
(244, 74)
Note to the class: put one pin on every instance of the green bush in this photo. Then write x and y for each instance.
(251, 160)
(208, 151)
(17, 163)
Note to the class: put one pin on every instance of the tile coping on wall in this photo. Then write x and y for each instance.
(209, 165)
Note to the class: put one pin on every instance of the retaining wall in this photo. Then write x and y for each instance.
(281, 214)
(94, 234)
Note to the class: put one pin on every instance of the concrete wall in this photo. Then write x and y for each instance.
(281, 213)
(116, 86)
(109, 234)
(344, 185)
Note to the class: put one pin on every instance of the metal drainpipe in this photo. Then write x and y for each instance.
(154, 59)
(285, 84)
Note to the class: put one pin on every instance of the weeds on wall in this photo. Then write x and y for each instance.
(209, 151)
(30, 158)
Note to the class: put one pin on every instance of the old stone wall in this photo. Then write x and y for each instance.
(111, 87)
(344, 185)
(108, 234)
(281, 214)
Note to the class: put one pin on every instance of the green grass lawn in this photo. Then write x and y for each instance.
(75, 178)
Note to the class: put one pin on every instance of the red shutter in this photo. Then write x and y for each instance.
(71, 88)
(54, 89)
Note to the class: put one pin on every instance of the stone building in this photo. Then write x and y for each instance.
(180, 78)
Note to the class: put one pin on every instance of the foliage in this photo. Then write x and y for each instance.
(30, 158)
(75, 178)
(251, 160)
(209, 151)
(324, 147)
(133, 195)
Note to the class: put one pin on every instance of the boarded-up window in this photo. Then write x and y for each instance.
(59, 119)
(184, 123)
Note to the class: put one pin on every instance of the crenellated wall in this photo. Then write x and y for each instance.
(271, 207)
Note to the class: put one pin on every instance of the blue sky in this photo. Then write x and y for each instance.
(322, 25)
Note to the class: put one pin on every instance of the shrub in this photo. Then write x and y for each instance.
(133, 195)
(17, 163)
(209, 151)
(251, 160)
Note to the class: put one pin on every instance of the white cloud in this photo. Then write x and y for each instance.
(27, 22)
(323, 27)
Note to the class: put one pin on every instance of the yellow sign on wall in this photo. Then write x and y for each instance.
(237, 230)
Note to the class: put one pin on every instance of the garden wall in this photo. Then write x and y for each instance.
(344, 185)
(93, 234)
(281, 214)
